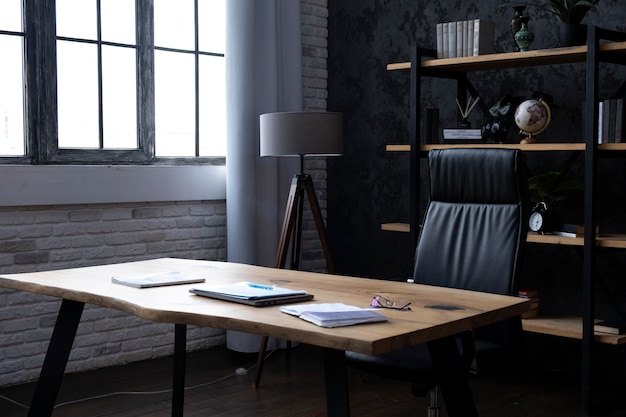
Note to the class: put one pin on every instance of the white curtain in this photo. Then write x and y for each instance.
(263, 75)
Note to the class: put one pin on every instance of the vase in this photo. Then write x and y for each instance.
(524, 38)
(516, 23)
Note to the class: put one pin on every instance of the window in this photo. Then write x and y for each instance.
(117, 98)
(12, 138)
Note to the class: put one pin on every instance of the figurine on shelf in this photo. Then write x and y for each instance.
(497, 129)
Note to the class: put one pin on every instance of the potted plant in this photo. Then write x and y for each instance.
(571, 13)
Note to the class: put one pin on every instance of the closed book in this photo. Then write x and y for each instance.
(462, 133)
(465, 38)
(611, 326)
(573, 230)
(445, 40)
(459, 39)
(470, 38)
(528, 292)
(600, 122)
(439, 31)
(606, 123)
(451, 39)
(428, 126)
(484, 37)
(619, 120)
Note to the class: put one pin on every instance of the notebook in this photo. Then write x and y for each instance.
(156, 280)
(253, 294)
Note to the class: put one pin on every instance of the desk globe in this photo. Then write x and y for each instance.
(532, 117)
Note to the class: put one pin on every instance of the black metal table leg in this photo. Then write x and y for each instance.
(452, 377)
(53, 368)
(336, 379)
(180, 347)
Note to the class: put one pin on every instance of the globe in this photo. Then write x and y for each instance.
(532, 117)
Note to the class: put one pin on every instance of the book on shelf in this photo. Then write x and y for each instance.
(462, 135)
(528, 292)
(464, 38)
(573, 230)
(439, 29)
(611, 117)
(460, 51)
(484, 37)
(431, 127)
(451, 39)
(449, 133)
(611, 326)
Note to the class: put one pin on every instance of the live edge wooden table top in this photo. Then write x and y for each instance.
(436, 315)
(436, 312)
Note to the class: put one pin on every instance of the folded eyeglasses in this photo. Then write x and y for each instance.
(394, 304)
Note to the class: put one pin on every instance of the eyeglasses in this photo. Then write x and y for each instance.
(382, 302)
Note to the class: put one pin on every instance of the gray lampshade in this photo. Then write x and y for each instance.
(301, 133)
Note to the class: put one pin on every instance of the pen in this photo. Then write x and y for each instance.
(261, 286)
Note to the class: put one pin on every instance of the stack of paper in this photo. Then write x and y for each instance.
(333, 314)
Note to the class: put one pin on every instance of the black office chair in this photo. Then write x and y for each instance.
(472, 237)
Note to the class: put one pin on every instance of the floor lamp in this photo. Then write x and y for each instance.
(299, 134)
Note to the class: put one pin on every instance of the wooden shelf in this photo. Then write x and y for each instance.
(396, 227)
(567, 55)
(570, 327)
(603, 241)
(398, 148)
(534, 147)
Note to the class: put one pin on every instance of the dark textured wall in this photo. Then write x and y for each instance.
(369, 186)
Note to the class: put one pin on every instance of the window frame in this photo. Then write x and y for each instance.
(41, 127)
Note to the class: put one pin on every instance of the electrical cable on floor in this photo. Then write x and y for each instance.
(112, 394)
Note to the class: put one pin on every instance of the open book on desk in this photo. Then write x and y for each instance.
(333, 314)
(251, 293)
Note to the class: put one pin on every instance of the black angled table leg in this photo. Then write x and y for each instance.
(336, 379)
(180, 347)
(53, 368)
(452, 377)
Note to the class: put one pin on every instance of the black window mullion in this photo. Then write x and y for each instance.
(145, 77)
(100, 89)
(197, 83)
(41, 79)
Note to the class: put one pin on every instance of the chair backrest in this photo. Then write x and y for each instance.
(476, 221)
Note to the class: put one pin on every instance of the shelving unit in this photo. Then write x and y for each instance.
(602, 46)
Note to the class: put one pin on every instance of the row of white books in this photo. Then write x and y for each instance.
(465, 38)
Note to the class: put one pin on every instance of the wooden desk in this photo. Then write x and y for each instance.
(176, 305)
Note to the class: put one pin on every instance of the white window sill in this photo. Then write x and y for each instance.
(22, 185)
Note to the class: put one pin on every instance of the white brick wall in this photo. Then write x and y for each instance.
(54, 237)
(43, 238)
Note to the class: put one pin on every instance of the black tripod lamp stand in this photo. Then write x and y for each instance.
(299, 134)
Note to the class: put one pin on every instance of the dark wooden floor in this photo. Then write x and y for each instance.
(294, 388)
